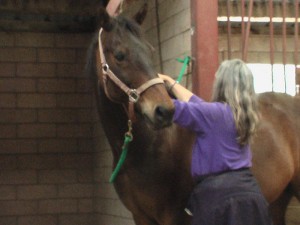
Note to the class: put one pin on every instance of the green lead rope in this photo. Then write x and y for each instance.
(128, 135)
(128, 138)
(185, 62)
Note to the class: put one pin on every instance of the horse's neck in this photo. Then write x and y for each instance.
(115, 123)
(113, 118)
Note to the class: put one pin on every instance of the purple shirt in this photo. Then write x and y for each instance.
(216, 148)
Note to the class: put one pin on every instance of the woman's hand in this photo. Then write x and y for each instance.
(175, 89)
(167, 79)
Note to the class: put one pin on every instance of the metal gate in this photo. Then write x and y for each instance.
(273, 18)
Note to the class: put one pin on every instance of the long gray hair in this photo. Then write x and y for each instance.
(234, 86)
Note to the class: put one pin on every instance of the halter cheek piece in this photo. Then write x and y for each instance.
(133, 94)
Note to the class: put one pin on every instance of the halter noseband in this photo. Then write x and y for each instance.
(133, 94)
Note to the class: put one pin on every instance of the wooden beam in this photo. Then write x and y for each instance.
(204, 46)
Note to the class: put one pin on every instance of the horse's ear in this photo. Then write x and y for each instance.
(141, 14)
(105, 20)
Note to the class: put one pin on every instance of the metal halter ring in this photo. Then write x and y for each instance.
(133, 95)
(105, 67)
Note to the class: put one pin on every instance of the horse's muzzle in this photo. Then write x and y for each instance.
(163, 116)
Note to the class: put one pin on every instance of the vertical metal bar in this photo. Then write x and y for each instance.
(297, 81)
(243, 25)
(246, 40)
(296, 60)
(204, 46)
(284, 41)
(296, 32)
(271, 41)
(228, 29)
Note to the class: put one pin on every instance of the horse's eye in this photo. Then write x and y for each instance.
(120, 56)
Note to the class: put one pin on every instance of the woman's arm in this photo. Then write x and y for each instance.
(176, 89)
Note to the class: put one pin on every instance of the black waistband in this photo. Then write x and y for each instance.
(203, 177)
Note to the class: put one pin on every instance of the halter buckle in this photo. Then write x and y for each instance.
(133, 95)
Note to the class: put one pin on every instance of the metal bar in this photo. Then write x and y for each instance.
(296, 32)
(284, 41)
(297, 81)
(246, 40)
(204, 46)
(271, 41)
(228, 30)
(243, 25)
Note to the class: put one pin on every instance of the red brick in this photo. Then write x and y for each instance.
(57, 176)
(17, 116)
(86, 175)
(34, 40)
(7, 192)
(9, 208)
(57, 206)
(57, 145)
(84, 86)
(79, 219)
(36, 100)
(87, 115)
(8, 131)
(81, 55)
(57, 115)
(86, 205)
(17, 85)
(7, 69)
(56, 85)
(71, 70)
(18, 177)
(8, 220)
(86, 145)
(12, 146)
(74, 130)
(36, 130)
(38, 220)
(73, 40)
(8, 101)
(75, 190)
(31, 161)
(36, 192)
(8, 162)
(17, 55)
(7, 39)
(56, 55)
(74, 101)
(79, 161)
(36, 70)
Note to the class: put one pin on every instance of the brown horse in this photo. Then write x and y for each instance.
(154, 182)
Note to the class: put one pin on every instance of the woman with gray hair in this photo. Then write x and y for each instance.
(226, 192)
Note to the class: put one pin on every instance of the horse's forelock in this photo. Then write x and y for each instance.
(129, 25)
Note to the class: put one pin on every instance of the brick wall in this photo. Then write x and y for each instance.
(46, 130)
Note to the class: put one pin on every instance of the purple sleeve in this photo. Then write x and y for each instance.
(196, 114)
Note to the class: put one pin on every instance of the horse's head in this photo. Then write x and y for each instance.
(126, 55)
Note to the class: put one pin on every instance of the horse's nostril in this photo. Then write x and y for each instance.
(163, 114)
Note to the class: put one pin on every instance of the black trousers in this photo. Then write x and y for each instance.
(231, 198)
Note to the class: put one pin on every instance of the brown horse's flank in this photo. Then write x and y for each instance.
(155, 182)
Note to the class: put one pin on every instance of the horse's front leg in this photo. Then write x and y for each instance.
(278, 208)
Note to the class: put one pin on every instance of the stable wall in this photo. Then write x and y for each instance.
(46, 130)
